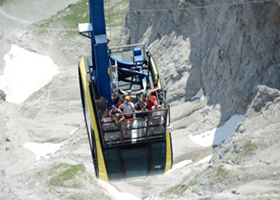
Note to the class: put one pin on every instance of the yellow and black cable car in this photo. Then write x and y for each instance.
(122, 147)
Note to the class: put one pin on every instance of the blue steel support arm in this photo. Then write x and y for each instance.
(99, 48)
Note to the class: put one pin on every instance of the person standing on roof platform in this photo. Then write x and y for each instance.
(145, 91)
(106, 121)
(157, 119)
(156, 107)
(115, 113)
(150, 100)
(156, 87)
(141, 106)
(101, 103)
(118, 100)
(129, 94)
(128, 108)
(148, 90)
(141, 121)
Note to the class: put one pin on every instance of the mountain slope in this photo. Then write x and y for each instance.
(231, 52)
(227, 49)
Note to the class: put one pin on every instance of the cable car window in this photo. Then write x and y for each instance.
(135, 162)
(158, 158)
(113, 164)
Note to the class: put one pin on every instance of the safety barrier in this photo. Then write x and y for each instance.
(146, 125)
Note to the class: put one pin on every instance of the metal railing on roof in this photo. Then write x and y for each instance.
(145, 126)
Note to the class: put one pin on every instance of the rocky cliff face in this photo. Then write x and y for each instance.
(225, 48)
(230, 50)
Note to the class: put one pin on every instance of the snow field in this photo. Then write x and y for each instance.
(25, 72)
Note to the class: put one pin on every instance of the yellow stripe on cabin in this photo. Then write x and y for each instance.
(168, 163)
(155, 72)
(102, 171)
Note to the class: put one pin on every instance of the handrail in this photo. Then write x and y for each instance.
(116, 49)
(168, 125)
(128, 133)
(141, 112)
(130, 45)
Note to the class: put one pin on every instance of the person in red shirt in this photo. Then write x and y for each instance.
(150, 100)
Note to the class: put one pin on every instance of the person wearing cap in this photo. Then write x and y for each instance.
(115, 113)
(128, 108)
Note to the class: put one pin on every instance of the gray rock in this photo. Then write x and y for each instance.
(228, 51)
(2, 96)
(264, 97)
(234, 191)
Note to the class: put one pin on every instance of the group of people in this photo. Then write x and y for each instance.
(124, 108)
(120, 115)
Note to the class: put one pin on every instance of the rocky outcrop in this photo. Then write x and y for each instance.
(265, 97)
(244, 167)
(262, 115)
(228, 49)
(2, 96)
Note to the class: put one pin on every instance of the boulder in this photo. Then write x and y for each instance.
(2, 96)
(264, 97)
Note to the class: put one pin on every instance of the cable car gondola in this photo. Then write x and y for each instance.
(139, 146)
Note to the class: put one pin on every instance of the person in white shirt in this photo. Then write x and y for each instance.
(128, 110)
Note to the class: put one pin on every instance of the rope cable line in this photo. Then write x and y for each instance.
(200, 7)
(166, 9)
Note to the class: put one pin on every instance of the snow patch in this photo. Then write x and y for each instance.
(115, 193)
(217, 135)
(25, 72)
(42, 149)
(75, 130)
(204, 160)
(179, 165)
(199, 95)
